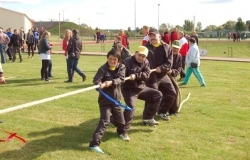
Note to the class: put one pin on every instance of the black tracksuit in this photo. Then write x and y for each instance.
(107, 107)
(177, 65)
(136, 89)
(162, 57)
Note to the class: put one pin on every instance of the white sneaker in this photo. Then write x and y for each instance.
(164, 116)
(150, 122)
(124, 137)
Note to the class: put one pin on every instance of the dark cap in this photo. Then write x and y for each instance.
(153, 31)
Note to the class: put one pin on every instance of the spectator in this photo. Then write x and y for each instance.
(238, 36)
(166, 37)
(30, 41)
(183, 51)
(145, 30)
(195, 36)
(94, 37)
(22, 35)
(193, 63)
(67, 36)
(98, 34)
(174, 35)
(36, 35)
(74, 53)
(4, 40)
(124, 53)
(44, 50)
(102, 38)
(2, 79)
(41, 32)
(234, 36)
(16, 43)
(9, 50)
(124, 39)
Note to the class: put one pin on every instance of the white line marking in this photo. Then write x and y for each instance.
(47, 99)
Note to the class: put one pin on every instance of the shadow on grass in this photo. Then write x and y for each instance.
(54, 139)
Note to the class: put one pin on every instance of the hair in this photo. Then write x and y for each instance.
(66, 36)
(117, 46)
(192, 40)
(181, 33)
(45, 33)
(75, 31)
(115, 53)
(145, 27)
(118, 37)
(15, 30)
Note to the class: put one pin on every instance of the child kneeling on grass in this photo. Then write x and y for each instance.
(109, 76)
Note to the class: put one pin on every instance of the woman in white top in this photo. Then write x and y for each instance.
(44, 50)
(193, 63)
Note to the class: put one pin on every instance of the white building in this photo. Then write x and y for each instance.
(14, 20)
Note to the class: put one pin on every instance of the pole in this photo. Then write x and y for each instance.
(59, 29)
(135, 19)
(158, 16)
(194, 23)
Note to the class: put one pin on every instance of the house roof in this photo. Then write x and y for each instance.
(1, 8)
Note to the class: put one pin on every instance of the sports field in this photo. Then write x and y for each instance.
(213, 124)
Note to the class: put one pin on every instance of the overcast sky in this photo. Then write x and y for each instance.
(115, 14)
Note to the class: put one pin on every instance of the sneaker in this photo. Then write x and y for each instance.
(47, 80)
(203, 85)
(164, 116)
(124, 137)
(150, 122)
(68, 81)
(84, 78)
(182, 84)
(96, 149)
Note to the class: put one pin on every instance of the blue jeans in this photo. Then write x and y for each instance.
(197, 74)
(72, 66)
(2, 51)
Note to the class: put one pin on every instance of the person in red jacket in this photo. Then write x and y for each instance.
(183, 51)
(145, 30)
(174, 35)
(166, 37)
(67, 36)
(124, 39)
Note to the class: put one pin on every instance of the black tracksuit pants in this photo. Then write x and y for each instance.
(151, 96)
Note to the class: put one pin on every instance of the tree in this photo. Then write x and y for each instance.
(180, 28)
(129, 29)
(248, 24)
(188, 25)
(229, 25)
(138, 29)
(211, 28)
(240, 25)
(198, 27)
(96, 28)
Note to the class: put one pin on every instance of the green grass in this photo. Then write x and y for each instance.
(213, 124)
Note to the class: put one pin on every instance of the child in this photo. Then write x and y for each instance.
(109, 76)
(177, 60)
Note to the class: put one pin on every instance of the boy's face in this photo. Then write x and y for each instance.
(175, 50)
(112, 61)
(140, 57)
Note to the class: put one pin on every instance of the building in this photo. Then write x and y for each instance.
(14, 20)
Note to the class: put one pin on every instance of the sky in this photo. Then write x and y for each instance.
(117, 14)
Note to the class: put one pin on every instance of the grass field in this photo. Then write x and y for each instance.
(213, 124)
(214, 47)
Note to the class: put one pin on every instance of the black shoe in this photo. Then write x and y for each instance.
(21, 60)
(84, 78)
(47, 79)
(203, 85)
(68, 81)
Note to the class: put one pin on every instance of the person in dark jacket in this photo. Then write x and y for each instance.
(16, 43)
(177, 60)
(160, 57)
(137, 68)
(109, 76)
(124, 52)
(74, 52)
(30, 41)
